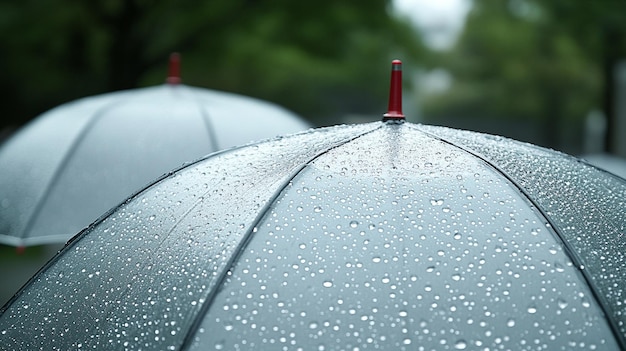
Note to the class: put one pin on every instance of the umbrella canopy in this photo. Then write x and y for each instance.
(387, 235)
(71, 164)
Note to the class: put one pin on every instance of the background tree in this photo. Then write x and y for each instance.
(600, 30)
(316, 58)
(520, 69)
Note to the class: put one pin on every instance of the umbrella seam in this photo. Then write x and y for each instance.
(584, 162)
(568, 248)
(26, 241)
(247, 237)
(157, 180)
(73, 240)
(206, 118)
(61, 165)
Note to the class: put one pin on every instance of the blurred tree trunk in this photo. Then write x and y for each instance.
(126, 49)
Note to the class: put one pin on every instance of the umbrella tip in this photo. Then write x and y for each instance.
(394, 111)
(173, 76)
(20, 249)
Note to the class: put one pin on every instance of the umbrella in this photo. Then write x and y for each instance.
(611, 163)
(386, 235)
(74, 162)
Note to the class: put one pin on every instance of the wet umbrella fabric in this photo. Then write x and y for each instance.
(383, 235)
(70, 165)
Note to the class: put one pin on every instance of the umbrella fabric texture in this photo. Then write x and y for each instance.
(387, 235)
(73, 163)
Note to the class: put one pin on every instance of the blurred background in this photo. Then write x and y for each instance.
(550, 72)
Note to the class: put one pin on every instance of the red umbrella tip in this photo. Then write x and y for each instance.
(394, 111)
(173, 76)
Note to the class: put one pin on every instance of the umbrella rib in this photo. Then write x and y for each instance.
(567, 247)
(609, 174)
(206, 118)
(248, 236)
(61, 166)
(85, 231)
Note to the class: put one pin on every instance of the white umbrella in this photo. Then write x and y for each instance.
(71, 164)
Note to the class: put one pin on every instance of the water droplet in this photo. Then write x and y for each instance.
(327, 284)
(436, 202)
(585, 302)
(313, 325)
(460, 345)
(561, 303)
(559, 267)
(510, 323)
(354, 224)
(532, 309)
(317, 209)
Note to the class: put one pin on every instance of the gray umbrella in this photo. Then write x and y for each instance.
(387, 235)
(71, 164)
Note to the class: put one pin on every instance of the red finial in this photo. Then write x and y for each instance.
(394, 111)
(173, 76)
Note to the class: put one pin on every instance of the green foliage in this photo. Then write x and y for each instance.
(316, 58)
(517, 62)
(504, 64)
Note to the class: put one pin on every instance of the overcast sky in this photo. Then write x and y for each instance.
(440, 20)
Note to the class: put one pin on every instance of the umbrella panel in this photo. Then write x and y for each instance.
(141, 275)
(126, 136)
(80, 159)
(585, 204)
(18, 198)
(436, 251)
(255, 119)
(143, 272)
